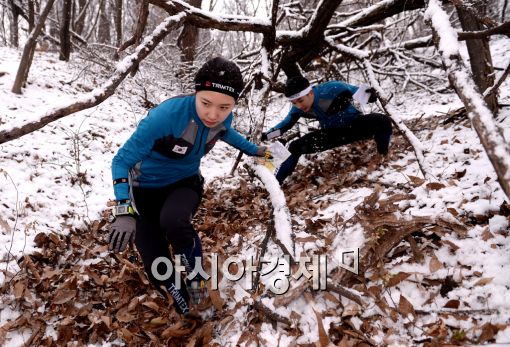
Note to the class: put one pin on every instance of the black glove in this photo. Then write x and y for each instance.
(263, 151)
(122, 232)
(373, 95)
(263, 137)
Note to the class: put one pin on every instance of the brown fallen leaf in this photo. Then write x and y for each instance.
(452, 304)
(453, 211)
(405, 306)
(133, 303)
(179, 329)
(158, 321)
(124, 316)
(487, 235)
(48, 273)
(396, 279)
(484, 281)
(416, 180)
(63, 296)
(435, 186)
(435, 264)
(152, 305)
(323, 337)
(107, 321)
(126, 334)
(452, 245)
(19, 289)
(216, 299)
(488, 332)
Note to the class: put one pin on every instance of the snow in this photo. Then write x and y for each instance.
(449, 44)
(498, 223)
(262, 21)
(281, 212)
(43, 167)
(348, 50)
(482, 117)
(366, 12)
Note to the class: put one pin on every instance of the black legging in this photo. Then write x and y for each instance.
(165, 219)
(363, 127)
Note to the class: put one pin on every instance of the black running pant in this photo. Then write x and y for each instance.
(165, 219)
(375, 125)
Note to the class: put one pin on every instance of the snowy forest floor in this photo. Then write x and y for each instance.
(435, 256)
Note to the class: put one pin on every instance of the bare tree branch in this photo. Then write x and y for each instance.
(107, 89)
(503, 29)
(140, 26)
(207, 20)
(491, 137)
(498, 83)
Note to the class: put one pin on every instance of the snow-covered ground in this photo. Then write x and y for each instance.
(58, 178)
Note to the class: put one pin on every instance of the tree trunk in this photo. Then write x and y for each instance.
(491, 136)
(188, 39)
(65, 34)
(31, 15)
(81, 13)
(29, 49)
(117, 12)
(503, 11)
(479, 55)
(104, 25)
(14, 38)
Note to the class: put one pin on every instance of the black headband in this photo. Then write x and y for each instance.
(217, 87)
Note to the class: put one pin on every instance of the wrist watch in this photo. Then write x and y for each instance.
(123, 210)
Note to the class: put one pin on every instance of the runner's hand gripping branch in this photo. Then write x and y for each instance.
(264, 156)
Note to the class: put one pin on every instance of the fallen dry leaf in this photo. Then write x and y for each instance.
(396, 279)
(452, 304)
(484, 281)
(405, 307)
(435, 264)
(435, 186)
(124, 316)
(158, 321)
(63, 296)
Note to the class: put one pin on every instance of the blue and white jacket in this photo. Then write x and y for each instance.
(168, 145)
(324, 97)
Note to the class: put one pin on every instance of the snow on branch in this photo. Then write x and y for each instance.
(282, 220)
(208, 20)
(419, 42)
(380, 10)
(413, 140)
(98, 95)
(481, 117)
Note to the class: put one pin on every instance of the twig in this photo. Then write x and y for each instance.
(487, 311)
(345, 293)
(417, 255)
(271, 315)
(15, 222)
(263, 249)
(31, 266)
(498, 83)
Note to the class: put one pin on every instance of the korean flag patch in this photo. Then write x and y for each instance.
(180, 150)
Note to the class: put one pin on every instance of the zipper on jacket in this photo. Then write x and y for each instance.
(200, 140)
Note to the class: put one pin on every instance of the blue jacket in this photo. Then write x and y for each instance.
(324, 95)
(168, 145)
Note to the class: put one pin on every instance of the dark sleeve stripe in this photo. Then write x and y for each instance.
(120, 180)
